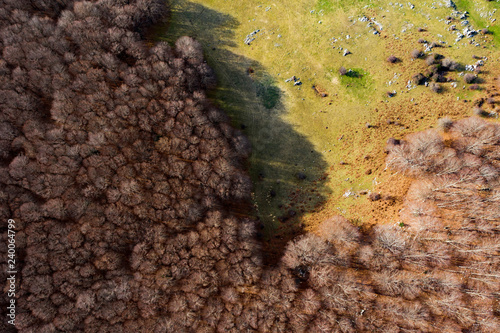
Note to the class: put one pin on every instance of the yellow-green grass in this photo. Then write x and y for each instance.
(292, 128)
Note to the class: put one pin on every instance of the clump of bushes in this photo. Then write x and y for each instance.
(436, 71)
(450, 64)
(342, 70)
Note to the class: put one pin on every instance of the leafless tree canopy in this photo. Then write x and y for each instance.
(116, 169)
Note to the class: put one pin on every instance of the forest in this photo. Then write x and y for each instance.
(130, 193)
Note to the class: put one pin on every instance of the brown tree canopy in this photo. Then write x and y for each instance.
(116, 170)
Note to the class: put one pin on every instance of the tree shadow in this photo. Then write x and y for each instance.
(287, 172)
(354, 73)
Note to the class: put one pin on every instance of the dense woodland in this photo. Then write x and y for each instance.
(126, 186)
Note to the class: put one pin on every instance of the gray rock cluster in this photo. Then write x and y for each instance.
(469, 32)
(296, 81)
(250, 37)
(450, 4)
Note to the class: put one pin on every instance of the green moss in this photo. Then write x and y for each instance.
(357, 82)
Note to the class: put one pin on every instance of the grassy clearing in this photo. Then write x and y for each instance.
(308, 129)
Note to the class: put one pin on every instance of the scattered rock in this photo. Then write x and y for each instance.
(250, 37)
(469, 32)
(348, 193)
(346, 52)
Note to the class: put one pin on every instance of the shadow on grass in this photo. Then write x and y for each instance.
(287, 172)
(354, 73)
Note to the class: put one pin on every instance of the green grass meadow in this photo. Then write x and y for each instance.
(310, 128)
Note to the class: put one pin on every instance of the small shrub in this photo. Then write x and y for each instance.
(485, 31)
(479, 112)
(430, 60)
(342, 70)
(445, 124)
(374, 196)
(435, 87)
(469, 78)
(392, 59)
(435, 44)
(415, 54)
(474, 87)
(421, 29)
(421, 41)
